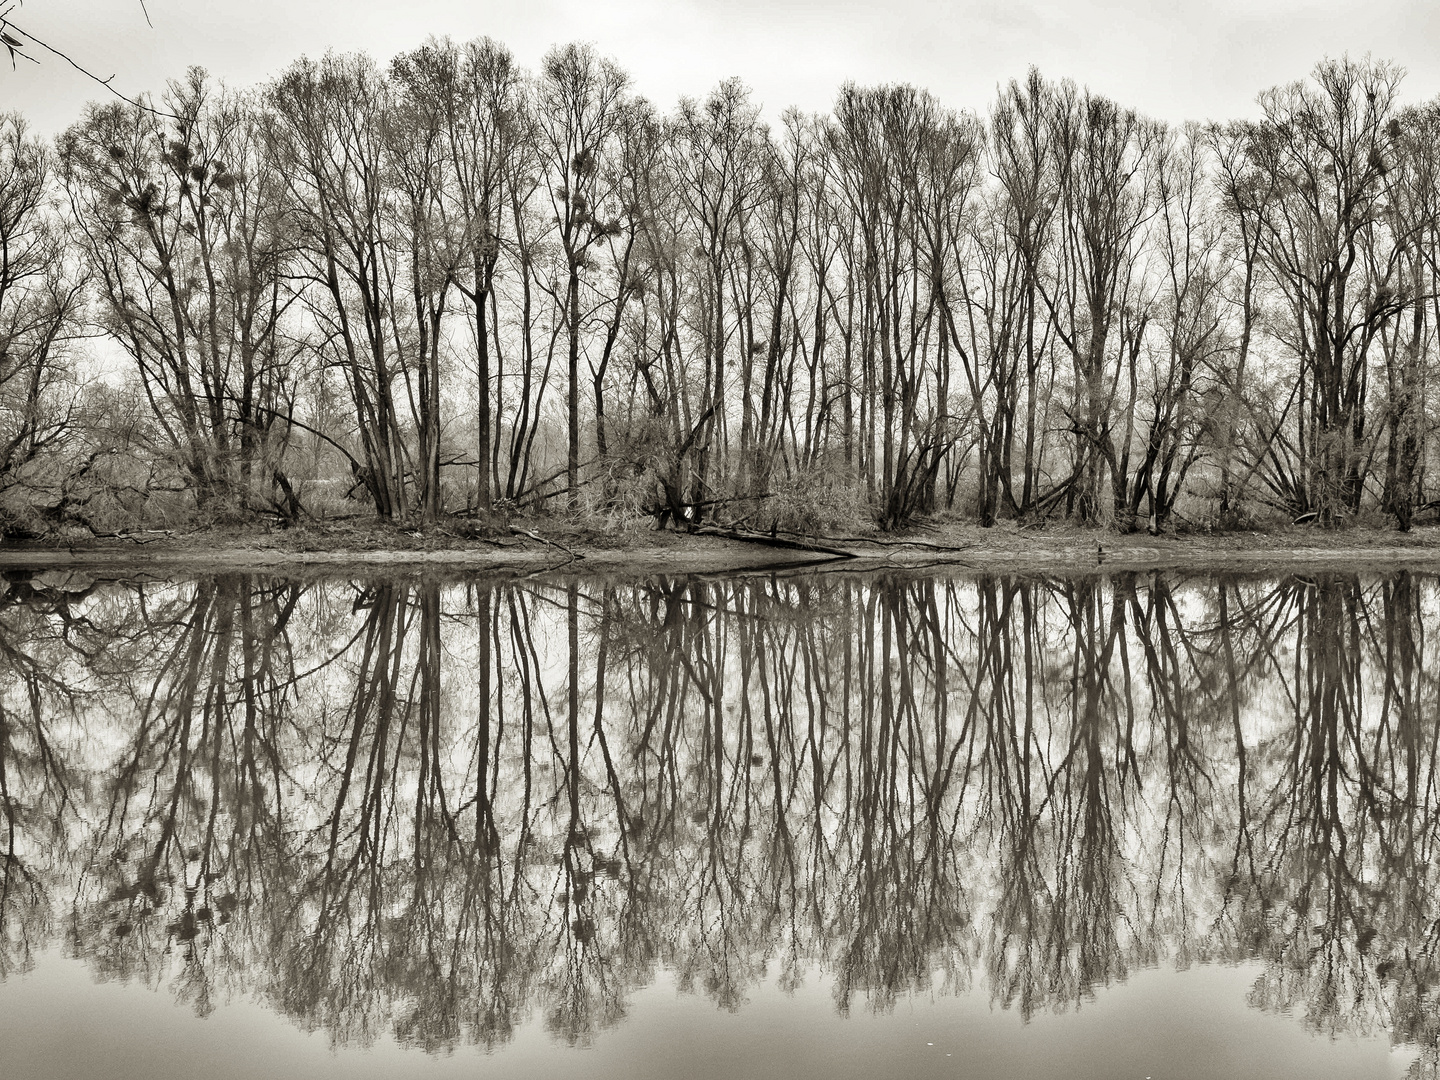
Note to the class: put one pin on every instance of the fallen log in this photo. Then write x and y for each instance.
(543, 540)
(768, 540)
(891, 543)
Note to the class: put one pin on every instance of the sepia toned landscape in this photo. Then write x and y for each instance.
(515, 565)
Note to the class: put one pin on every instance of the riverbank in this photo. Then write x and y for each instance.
(563, 547)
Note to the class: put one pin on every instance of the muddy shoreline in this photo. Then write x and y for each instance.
(645, 553)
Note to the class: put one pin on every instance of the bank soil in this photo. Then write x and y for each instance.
(549, 547)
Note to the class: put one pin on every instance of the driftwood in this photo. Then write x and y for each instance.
(890, 543)
(542, 540)
(770, 540)
(165, 534)
(902, 543)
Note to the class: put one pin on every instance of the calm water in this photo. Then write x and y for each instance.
(794, 826)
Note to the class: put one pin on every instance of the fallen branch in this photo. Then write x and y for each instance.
(889, 543)
(127, 535)
(542, 540)
(903, 543)
(767, 540)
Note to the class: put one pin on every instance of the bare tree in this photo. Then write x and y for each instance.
(1242, 191)
(580, 107)
(39, 312)
(476, 96)
(332, 144)
(1104, 156)
(717, 151)
(1325, 149)
(1189, 319)
(906, 170)
(182, 225)
(1412, 215)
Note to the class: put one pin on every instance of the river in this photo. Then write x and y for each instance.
(793, 825)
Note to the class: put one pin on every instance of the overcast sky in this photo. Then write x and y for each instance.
(1172, 60)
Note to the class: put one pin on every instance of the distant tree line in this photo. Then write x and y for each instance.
(454, 286)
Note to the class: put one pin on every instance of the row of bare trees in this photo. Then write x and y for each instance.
(437, 809)
(450, 284)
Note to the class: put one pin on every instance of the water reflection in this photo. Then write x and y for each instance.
(433, 810)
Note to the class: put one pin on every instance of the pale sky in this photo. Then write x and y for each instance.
(1172, 60)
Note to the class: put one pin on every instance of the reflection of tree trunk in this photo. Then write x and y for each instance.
(183, 700)
(1329, 705)
(1403, 663)
(1243, 838)
(487, 838)
(1088, 853)
(370, 714)
(432, 816)
(895, 776)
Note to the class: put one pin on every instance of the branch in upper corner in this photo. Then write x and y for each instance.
(16, 47)
(13, 45)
